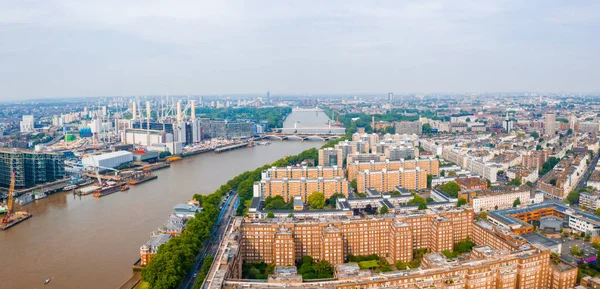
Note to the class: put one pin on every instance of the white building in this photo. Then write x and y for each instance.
(27, 124)
(107, 160)
(589, 200)
(499, 200)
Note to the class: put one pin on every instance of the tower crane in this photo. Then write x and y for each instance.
(11, 192)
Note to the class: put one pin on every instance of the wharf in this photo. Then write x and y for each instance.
(5, 227)
(231, 147)
(48, 188)
(142, 179)
(157, 166)
(196, 152)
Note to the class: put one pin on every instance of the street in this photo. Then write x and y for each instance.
(213, 243)
(583, 181)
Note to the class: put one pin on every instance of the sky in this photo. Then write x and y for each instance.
(72, 48)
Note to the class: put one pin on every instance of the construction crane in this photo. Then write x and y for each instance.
(11, 192)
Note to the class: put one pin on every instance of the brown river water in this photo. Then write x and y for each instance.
(84, 242)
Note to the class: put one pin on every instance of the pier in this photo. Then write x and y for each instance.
(230, 147)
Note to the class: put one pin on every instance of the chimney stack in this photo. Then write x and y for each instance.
(193, 114)
(134, 110)
(178, 111)
(148, 114)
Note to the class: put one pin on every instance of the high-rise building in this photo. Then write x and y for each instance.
(390, 97)
(329, 157)
(268, 97)
(30, 168)
(27, 124)
(549, 123)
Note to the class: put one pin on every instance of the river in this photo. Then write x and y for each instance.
(84, 242)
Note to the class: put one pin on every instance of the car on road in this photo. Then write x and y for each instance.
(195, 275)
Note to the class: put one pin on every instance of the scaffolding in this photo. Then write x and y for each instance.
(30, 168)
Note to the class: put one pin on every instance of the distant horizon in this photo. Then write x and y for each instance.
(316, 95)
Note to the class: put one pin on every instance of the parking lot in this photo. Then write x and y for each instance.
(567, 244)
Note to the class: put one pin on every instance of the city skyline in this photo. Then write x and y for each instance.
(70, 49)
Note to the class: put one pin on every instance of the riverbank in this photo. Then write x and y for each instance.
(156, 274)
(83, 240)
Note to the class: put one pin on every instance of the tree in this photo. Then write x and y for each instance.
(353, 184)
(450, 188)
(443, 174)
(270, 215)
(515, 182)
(452, 174)
(422, 206)
(323, 267)
(383, 210)
(573, 197)
(290, 215)
(482, 215)
(516, 202)
(461, 202)
(426, 128)
(316, 201)
(429, 180)
(333, 199)
(468, 119)
(534, 134)
(538, 148)
(597, 212)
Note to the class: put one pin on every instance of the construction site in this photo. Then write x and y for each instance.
(11, 218)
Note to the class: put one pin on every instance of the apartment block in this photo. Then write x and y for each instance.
(497, 198)
(386, 181)
(430, 165)
(331, 157)
(334, 239)
(295, 172)
(365, 158)
(303, 187)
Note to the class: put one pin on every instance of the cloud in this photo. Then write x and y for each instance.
(78, 48)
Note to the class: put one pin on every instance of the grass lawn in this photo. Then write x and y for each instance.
(372, 264)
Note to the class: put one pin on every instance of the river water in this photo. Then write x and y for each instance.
(84, 242)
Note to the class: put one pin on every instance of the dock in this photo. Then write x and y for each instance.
(20, 219)
(231, 147)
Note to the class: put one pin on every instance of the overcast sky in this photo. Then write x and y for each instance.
(68, 48)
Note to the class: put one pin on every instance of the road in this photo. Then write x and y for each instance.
(213, 243)
(583, 181)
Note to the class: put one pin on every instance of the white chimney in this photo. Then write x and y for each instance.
(148, 115)
(134, 110)
(193, 114)
(178, 111)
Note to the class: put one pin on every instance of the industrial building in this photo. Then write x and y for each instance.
(30, 168)
(107, 160)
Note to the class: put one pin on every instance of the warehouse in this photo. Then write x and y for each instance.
(108, 160)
